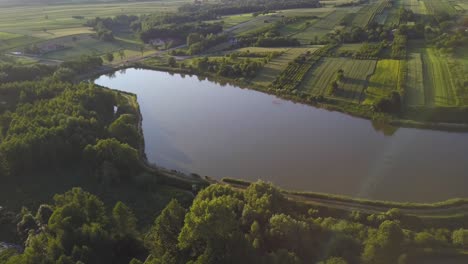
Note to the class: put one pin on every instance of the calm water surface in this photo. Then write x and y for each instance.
(225, 131)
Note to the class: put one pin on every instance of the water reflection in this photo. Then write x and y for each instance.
(194, 125)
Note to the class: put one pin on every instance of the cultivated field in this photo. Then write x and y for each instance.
(438, 84)
(415, 81)
(368, 13)
(384, 80)
(417, 6)
(34, 24)
(320, 28)
(356, 73)
(273, 68)
(439, 6)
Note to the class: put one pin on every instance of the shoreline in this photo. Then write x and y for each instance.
(330, 104)
(185, 181)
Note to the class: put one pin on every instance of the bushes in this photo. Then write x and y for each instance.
(276, 42)
(391, 104)
(399, 46)
(113, 161)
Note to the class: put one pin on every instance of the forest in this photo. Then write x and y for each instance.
(224, 224)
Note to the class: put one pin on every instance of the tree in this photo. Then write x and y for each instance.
(162, 239)
(212, 226)
(172, 61)
(385, 246)
(125, 222)
(122, 54)
(124, 129)
(460, 237)
(109, 56)
(44, 213)
(193, 38)
(64, 74)
(120, 156)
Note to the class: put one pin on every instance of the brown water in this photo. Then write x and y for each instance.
(225, 131)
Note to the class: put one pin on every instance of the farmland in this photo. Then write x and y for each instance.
(363, 37)
(439, 89)
(356, 73)
(435, 7)
(273, 68)
(321, 27)
(384, 80)
(369, 12)
(26, 25)
(415, 82)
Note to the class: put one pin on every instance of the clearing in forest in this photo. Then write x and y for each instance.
(351, 87)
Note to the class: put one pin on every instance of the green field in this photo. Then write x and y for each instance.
(31, 19)
(438, 84)
(321, 27)
(439, 6)
(25, 25)
(384, 80)
(85, 44)
(7, 36)
(368, 13)
(356, 73)
(230, 21)
(417, 6)
(415, 81)
(273, 68)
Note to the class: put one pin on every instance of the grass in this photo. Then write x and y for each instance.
(31, 19)
(21, 26)
(384, 80)
(274, 67)
(255, 24)
(353, 83)
(439, 89)
(417, 6)
(364, 16)
(320, 28)
(439, 6)
(7, 35)
(415, 82)
(230, 21)
(351, 48)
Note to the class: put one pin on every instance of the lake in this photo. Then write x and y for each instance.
(198, 126)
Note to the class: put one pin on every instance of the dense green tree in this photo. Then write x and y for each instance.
(385, 246)
(124, 128)
(125, 222)
(163, 236)
(113, 160)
